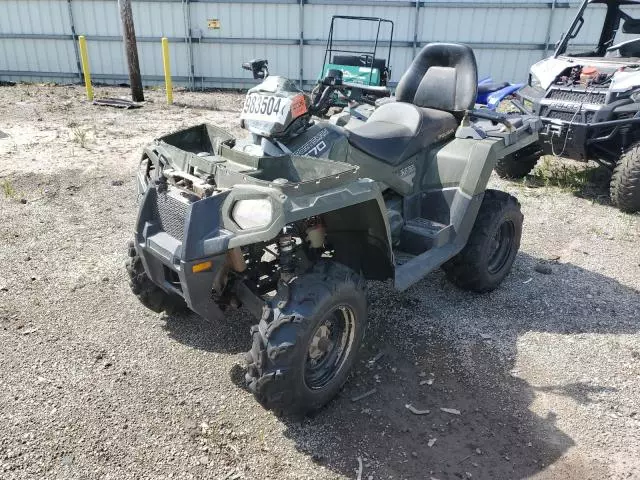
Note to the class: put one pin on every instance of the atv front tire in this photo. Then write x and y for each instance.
(518, 164)
(302, 354)
(625, 182)
(492, 246)
(149, 294)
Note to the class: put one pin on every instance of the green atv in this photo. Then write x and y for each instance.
(294, 237)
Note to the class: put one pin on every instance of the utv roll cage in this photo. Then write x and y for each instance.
(366, 58)
(609, 28)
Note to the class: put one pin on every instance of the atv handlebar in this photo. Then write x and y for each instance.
(322, 97)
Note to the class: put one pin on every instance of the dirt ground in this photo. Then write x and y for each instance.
(545, 371)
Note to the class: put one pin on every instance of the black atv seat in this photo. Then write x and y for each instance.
(440, 84)
(396, 131)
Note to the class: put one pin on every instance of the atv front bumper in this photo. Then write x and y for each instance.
(169, 237)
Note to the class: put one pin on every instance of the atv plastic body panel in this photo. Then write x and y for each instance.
(176, 230)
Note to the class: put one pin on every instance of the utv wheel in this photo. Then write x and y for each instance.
(625, 182)
(494, 241)
(302, 354)
(518, 164)
(149, 294)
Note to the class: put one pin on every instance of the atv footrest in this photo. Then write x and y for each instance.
(420, 234)
(417, 267)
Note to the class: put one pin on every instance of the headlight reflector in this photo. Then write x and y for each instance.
(534, 81)
(252, 213)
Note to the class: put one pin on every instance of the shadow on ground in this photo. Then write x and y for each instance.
(589, 181)
(495, 436)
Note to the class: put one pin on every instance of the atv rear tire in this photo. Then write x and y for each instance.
(302, 354)
(625, 182)
(518, 164)
(149, 294)
(492, 246)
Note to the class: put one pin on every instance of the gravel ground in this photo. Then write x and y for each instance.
(545, 371)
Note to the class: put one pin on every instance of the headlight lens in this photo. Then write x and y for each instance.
(534, 81)
(252, 213)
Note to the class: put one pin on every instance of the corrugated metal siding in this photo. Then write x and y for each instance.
(507, 36)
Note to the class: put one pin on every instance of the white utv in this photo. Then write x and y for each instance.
(588, 97)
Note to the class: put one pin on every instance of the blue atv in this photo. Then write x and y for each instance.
(490, 93)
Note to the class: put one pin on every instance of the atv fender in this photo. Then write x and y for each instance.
(354, 215)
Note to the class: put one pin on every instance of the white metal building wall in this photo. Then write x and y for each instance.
(38, 38)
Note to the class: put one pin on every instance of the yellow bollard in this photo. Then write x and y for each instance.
(167, 70)
(84, 56)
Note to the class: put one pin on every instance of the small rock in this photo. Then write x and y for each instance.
(414, 454)
(452, 411)
(204, 460)
(478, 451)
(415, 411)
(432, 442)
(485, 336)
(544, 268)
(23, 201)
(117, 183)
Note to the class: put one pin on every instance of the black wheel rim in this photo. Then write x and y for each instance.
(501, 246)
(329, 347)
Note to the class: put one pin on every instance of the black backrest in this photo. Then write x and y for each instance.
(443, 76)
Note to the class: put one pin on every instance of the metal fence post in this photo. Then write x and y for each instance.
(75, 39)
(301, 42)
(547, 37)
(188, 38)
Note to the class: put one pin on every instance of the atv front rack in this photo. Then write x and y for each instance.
(210, 150)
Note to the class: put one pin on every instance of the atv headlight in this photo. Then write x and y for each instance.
(252, 213)
(534, 81)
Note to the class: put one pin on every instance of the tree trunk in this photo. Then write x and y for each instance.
(131, 49)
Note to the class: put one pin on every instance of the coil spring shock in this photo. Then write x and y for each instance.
(286, 247)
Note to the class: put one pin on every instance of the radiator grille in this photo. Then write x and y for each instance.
(565, 116)
(597, 98)
(582, 117)
(171, 214)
